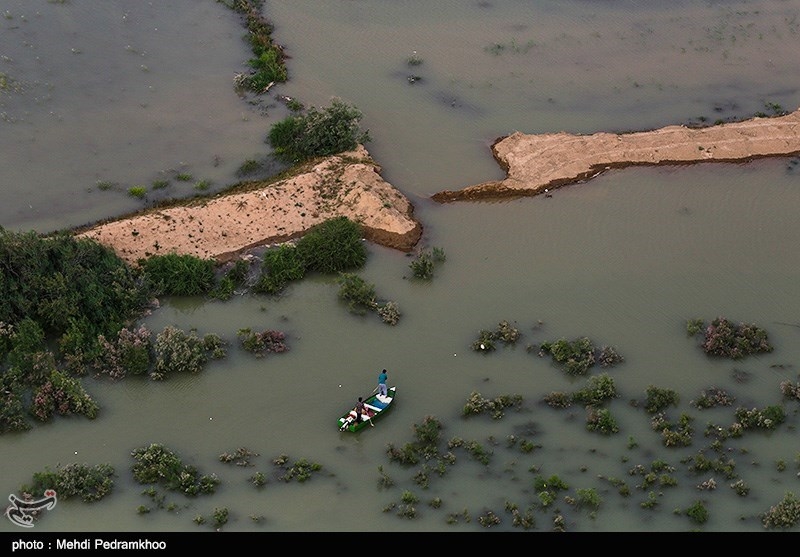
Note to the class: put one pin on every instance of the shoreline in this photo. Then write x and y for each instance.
(349, 184)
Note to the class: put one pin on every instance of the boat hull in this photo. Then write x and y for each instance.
(376, 405)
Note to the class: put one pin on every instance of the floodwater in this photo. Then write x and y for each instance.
(123, 93)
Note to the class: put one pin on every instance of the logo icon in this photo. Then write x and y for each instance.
(22, 513)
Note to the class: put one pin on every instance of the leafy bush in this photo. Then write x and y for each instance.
(601, 420)
(317, 133)
(62, 395)
(181, 352)
(12, 406)
(180, 275)
(88, 483)
(698, 513)
(157, 464)
(130, 353)
(576, 357)
(261, 343)
(785, 514)
(723, 338)
(334, 246)
(359, 295)
(422, 267)
(64, 283)
(599, 388)
(659, 399)
(478, 404)
(280, 266)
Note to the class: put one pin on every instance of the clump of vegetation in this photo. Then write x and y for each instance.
(658, 474)
(63, 395)
(599, 389)
(234, 277)
(301, 470)
(156, 464)
(262, 343)
(131, 352)
(177, 351)
(547, 489)
(674, 434)
(60, 292)
(425, 444)
(332, 247)
(790, 389)
(90, 483)
(474, 448)
(725, 339)
(478, 404)
(697, 513)
(785, 514)
(423, 265)
(600, 420)
(360, 297)
(657, 400)
(505, 333)
(269, 65)
(317, 133)
(139, 192)
(240, 457)
(180, 275)
(575, 357)
(558, 399)
(249, 167)
(713, 397)
(769, 417)
(279, 267)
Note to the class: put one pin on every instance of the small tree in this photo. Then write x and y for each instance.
(317, 133)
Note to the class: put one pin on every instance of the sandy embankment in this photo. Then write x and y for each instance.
(350, 185)
(221, 227)
(535, 163)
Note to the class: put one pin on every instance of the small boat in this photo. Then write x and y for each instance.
(376, 405)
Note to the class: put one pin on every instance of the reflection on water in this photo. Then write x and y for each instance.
(125, 92)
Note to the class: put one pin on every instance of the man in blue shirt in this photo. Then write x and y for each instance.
(382, 383)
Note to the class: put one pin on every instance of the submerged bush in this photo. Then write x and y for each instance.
(280, 266)
(181, 352)
(156, 464)
(180, 275)
(81, 480)
(723, 338)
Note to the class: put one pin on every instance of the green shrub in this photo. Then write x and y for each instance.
(697, 513)
(63, 395)
(179, 352)
(601, 420)
(81, 480)
(658, 400)
(599, 389)
(180, 275)
(359, 295)
(317, 133)
(423, 265)
(334, 246)
(156, 464)
(280, 266)
(269, 68)
(137, 191)
(575, 357)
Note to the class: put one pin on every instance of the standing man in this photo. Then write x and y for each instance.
(382, 383)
